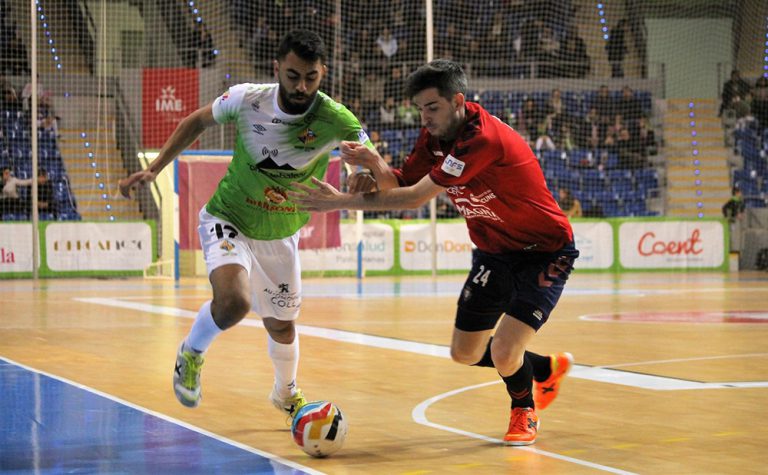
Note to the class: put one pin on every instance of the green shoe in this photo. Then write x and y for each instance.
(186, 377)
(290, 405)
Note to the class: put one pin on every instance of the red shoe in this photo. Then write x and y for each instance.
(546, 392)
(523, 427)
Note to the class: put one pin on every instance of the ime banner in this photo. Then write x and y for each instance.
(168, 95)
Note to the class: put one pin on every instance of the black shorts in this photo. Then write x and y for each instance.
(524, 285)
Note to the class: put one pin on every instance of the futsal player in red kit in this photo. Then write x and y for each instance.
(524, 243)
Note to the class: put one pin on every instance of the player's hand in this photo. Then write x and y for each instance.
(361, 182)
(323, 198)
(356, 153)
(132, 182)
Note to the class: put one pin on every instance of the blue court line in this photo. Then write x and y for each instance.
(51, 425)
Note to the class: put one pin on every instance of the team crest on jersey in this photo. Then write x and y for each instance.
(452, 166)
(275, 195)
(307, 136)
(225, 96)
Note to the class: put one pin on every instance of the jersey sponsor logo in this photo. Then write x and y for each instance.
(275, 195)
(225, 96)
(271, 207)
(265, 151)
(258, 129)
(452, 166)
(471, 210)
(483, 197)
(438, 153)
(362, 136)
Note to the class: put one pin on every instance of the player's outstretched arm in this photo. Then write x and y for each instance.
(188, 130)
(324, 197)
(357, 154)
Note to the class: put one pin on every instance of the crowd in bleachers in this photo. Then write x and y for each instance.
(55, 200)
(744, 109)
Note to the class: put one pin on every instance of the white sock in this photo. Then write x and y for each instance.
(203, 331)
(285, 359)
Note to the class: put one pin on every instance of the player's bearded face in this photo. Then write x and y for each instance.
(298, 82)
(440, 116)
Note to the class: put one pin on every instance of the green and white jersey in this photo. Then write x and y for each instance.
(273, 149)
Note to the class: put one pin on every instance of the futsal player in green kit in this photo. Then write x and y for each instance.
(249, 230)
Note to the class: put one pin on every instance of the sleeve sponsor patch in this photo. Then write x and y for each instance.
(452, 166)
(362, 136)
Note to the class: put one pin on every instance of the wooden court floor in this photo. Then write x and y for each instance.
(671, 375)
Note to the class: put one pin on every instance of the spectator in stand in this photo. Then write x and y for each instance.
(760, 102)
(388, 113)
(736, 86)
(381, 145)
(43, 96)
(605, 105)
(630, 154)
(549, 52)
(529, 120)
(45, 201)
(646, 138)
(616, 48)
(573, 58)
(11, 202)
(555, 111)
(588, 133)
(395, 83)
(9, 99)
(387, 43)
(565, 140)
(733, 209)
(629, 106)
(372, 90)
(407, 114)
(204, 45)
(568, 203)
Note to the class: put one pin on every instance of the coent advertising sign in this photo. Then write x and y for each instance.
(672, 244)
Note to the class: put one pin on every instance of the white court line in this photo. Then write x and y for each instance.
(419, 416)
(598, 374)
(164, 417)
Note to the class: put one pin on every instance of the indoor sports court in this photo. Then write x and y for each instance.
(670, 377)
(648, 122)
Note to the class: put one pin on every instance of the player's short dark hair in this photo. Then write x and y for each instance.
(305, 44)
(445, 75)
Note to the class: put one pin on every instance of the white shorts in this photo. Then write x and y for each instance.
(273, 266)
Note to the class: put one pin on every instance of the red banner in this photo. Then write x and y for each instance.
(168, 95)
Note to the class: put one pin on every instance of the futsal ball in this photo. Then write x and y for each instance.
(319, 428)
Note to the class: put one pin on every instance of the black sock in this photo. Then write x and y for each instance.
(519, 385)
(542, 367)
(486, 360)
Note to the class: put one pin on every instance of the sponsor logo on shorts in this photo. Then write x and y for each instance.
(282, 297)
(466, 294)
(227, 246)
(538, 314)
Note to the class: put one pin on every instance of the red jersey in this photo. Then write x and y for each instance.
(495, 182)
